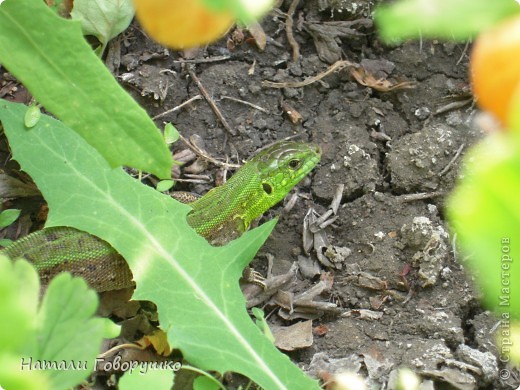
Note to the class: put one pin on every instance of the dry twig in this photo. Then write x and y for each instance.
(463, 52)
(289, 22)
(201, 153)
(453, 106)
(203, 60)
(176, 108)
(420, 196)
(245, 102)
(357, 71)
(457, 154)
(368, 80)
(297, 84)
(211, 102)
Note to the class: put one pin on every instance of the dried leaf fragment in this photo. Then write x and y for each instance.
(159, 340)
(297, 336)
(293, 115)
(363, 77)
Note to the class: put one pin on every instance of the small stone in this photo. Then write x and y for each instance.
(454, 119)
(259, 123)
(380, 235)
(422, 113)
(485, 360)
(254, 88)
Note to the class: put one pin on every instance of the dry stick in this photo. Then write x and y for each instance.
(290, 203)
(193, 178)
(245, 102)
(211, 102)
(297, 84)
(176, 108)
(419, 196)
(289, 22)
(201, 153)
(463, 53)
(112, 350)
(453, 106)
(195, 181)
(203, 60)
(446, 169)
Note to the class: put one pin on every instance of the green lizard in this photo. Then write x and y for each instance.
(220, 216)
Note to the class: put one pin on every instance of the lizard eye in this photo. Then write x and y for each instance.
(267, 188)
(293, 164)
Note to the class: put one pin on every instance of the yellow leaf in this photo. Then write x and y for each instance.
(181, 24)
(159, 340)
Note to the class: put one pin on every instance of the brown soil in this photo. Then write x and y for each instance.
(381, 146)
(405, 298)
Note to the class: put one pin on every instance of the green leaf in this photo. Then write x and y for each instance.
(164, 185)
(143, 378)
(68, 331)
(8, 216)
(50, 57)
(448, 19)
(104, 19)
(171, 134)
(194, 285)
(62, 329)
(11, 376)
(515, 340)
(5, 242)
(244, 10)
(32, 116)
(485, 212)
(19, 287)
(205, 383)
(262, 323)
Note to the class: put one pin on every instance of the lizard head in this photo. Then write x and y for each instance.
(226, 212)
(282, 166)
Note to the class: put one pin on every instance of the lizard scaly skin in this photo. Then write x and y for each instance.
(226, 212)
(220, 216)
